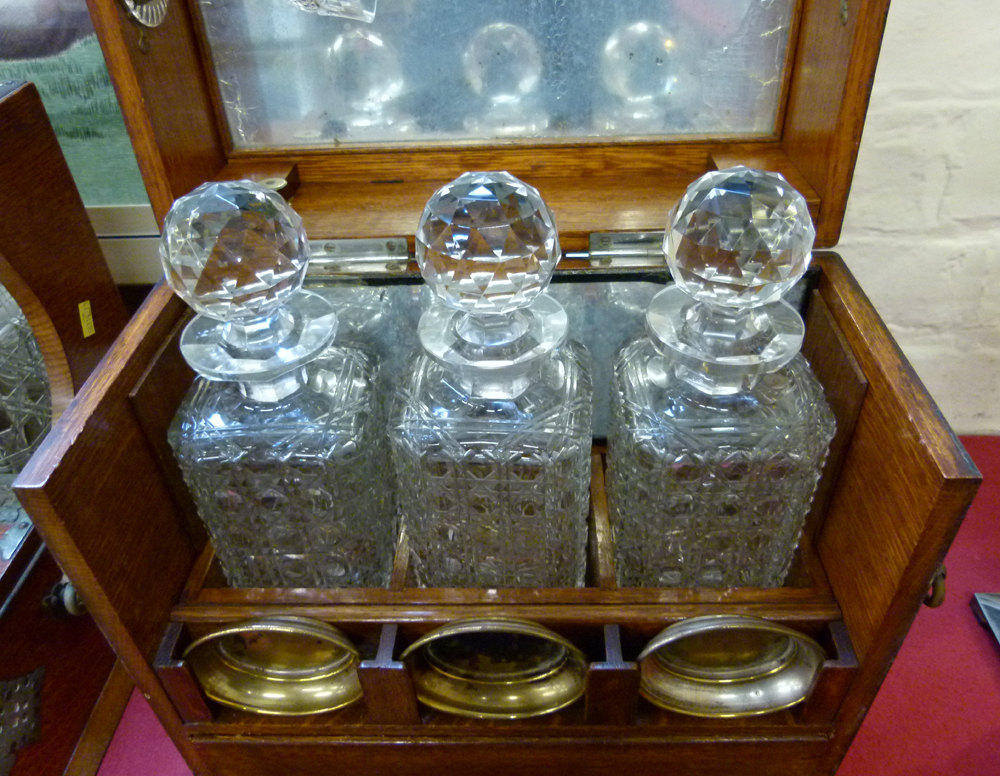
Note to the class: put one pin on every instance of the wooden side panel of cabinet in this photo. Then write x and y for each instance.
(904, 487)
(96, 494)
(50, 260)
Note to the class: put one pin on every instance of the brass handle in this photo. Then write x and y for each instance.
(935, 596)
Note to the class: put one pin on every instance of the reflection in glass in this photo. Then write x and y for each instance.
(503, 67)
(362, 10)
(533, 69)
(366, 82)
(646, 76)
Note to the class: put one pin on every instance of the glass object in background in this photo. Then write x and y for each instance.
(281, 438)
(503, 67)
(361, 10)
(25, 406)
(530, 69)
(491, 423)
(719, 430)
(54, 46)
(365, 84)
(648, 82)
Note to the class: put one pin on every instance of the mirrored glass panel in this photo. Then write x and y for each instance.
(446, 71)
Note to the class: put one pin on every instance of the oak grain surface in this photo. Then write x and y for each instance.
(50, 259)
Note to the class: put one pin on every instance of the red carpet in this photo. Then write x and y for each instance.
(937, 714)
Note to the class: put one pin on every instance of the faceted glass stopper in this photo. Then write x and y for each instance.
(234, 250)
(503, 63)
(361, 10)
(739, 238)
(487, 243)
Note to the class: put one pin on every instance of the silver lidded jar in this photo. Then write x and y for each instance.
(490, 427)
(280, 439)
(719, 429)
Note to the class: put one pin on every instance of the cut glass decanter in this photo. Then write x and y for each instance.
(280, 440)
(25, 411)
(491, 424)
(719, 430)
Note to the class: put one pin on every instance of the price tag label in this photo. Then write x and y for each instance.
(86, 319)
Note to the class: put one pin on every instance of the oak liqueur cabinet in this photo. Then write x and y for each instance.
(109, 502)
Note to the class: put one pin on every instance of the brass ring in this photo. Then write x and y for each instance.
(277, 665)
(496, 668)
(728, 666)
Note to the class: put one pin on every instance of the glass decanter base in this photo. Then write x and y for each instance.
(710, 491)
(495, 493)
(293, 493)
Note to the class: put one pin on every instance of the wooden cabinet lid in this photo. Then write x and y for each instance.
(174, 114)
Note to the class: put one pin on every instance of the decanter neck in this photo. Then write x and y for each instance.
(259, 337)
(718, 350)
(495, 356)
(497, 384)
(275, 390)
(722, 332)
(263, 348)
(493, 330)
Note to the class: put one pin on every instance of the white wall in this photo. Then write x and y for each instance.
(922, 232)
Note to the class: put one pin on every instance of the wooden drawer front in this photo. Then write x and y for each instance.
(597, 756)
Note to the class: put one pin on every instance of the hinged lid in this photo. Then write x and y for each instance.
(610, 110)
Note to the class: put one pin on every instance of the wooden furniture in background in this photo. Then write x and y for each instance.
(50, 262)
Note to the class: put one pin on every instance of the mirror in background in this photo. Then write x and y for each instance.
(447, 71)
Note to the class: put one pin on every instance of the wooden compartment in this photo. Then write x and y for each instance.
(107, 498)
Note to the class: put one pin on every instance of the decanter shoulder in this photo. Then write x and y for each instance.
(329, 416)
(646, 387)
(562, 379)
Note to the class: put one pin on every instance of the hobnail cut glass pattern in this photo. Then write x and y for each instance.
(234, 250)
(293, 493)
(708, 491)
(495, 493)
(20, 715)
(739, 238)
(487, 243)
(25, 405)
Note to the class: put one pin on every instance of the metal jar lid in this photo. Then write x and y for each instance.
(277, 665)
(496, 668)
(728, 666)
